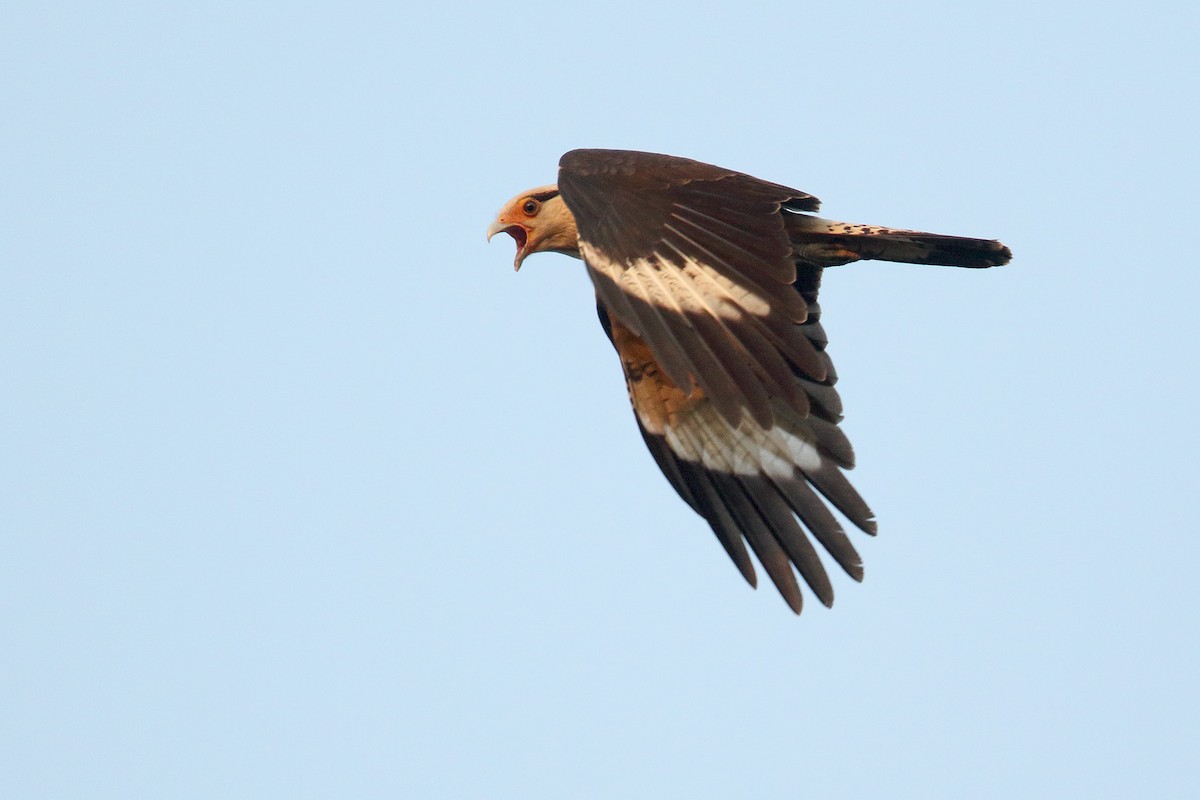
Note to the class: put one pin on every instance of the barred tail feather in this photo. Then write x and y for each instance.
(828, 243)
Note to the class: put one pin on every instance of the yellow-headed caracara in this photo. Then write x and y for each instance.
(706, 282)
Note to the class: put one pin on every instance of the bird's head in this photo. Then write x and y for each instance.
(539, 221)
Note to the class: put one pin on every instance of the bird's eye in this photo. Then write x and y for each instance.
(531, 206)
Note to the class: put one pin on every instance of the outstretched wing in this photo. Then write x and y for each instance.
(746, 481)
(715, 320)
(697, 262)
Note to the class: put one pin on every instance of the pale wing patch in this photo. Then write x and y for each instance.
(701, 435)
(730, 300)
(711, 329)
(695, 287)
(730, 291)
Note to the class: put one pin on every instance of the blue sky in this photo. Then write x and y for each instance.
(303, 493)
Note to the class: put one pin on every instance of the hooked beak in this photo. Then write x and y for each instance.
(519, 233)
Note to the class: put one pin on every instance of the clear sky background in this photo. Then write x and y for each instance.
(304, 494)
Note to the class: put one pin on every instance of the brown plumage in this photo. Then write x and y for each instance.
(706, 283)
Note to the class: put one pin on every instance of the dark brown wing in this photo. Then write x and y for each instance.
(697, 262)
(716, 325)
(746, 481)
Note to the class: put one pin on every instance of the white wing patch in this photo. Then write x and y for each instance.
(701, 435)
(696, 287)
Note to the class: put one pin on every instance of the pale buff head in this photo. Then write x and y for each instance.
(539, 221)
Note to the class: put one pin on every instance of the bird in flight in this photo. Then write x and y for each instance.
(706, 283)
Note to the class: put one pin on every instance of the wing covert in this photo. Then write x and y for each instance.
(696, 260)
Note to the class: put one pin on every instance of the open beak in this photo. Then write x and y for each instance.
(519, 233)
(494, 228)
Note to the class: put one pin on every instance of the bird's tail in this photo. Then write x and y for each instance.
(825, 242)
